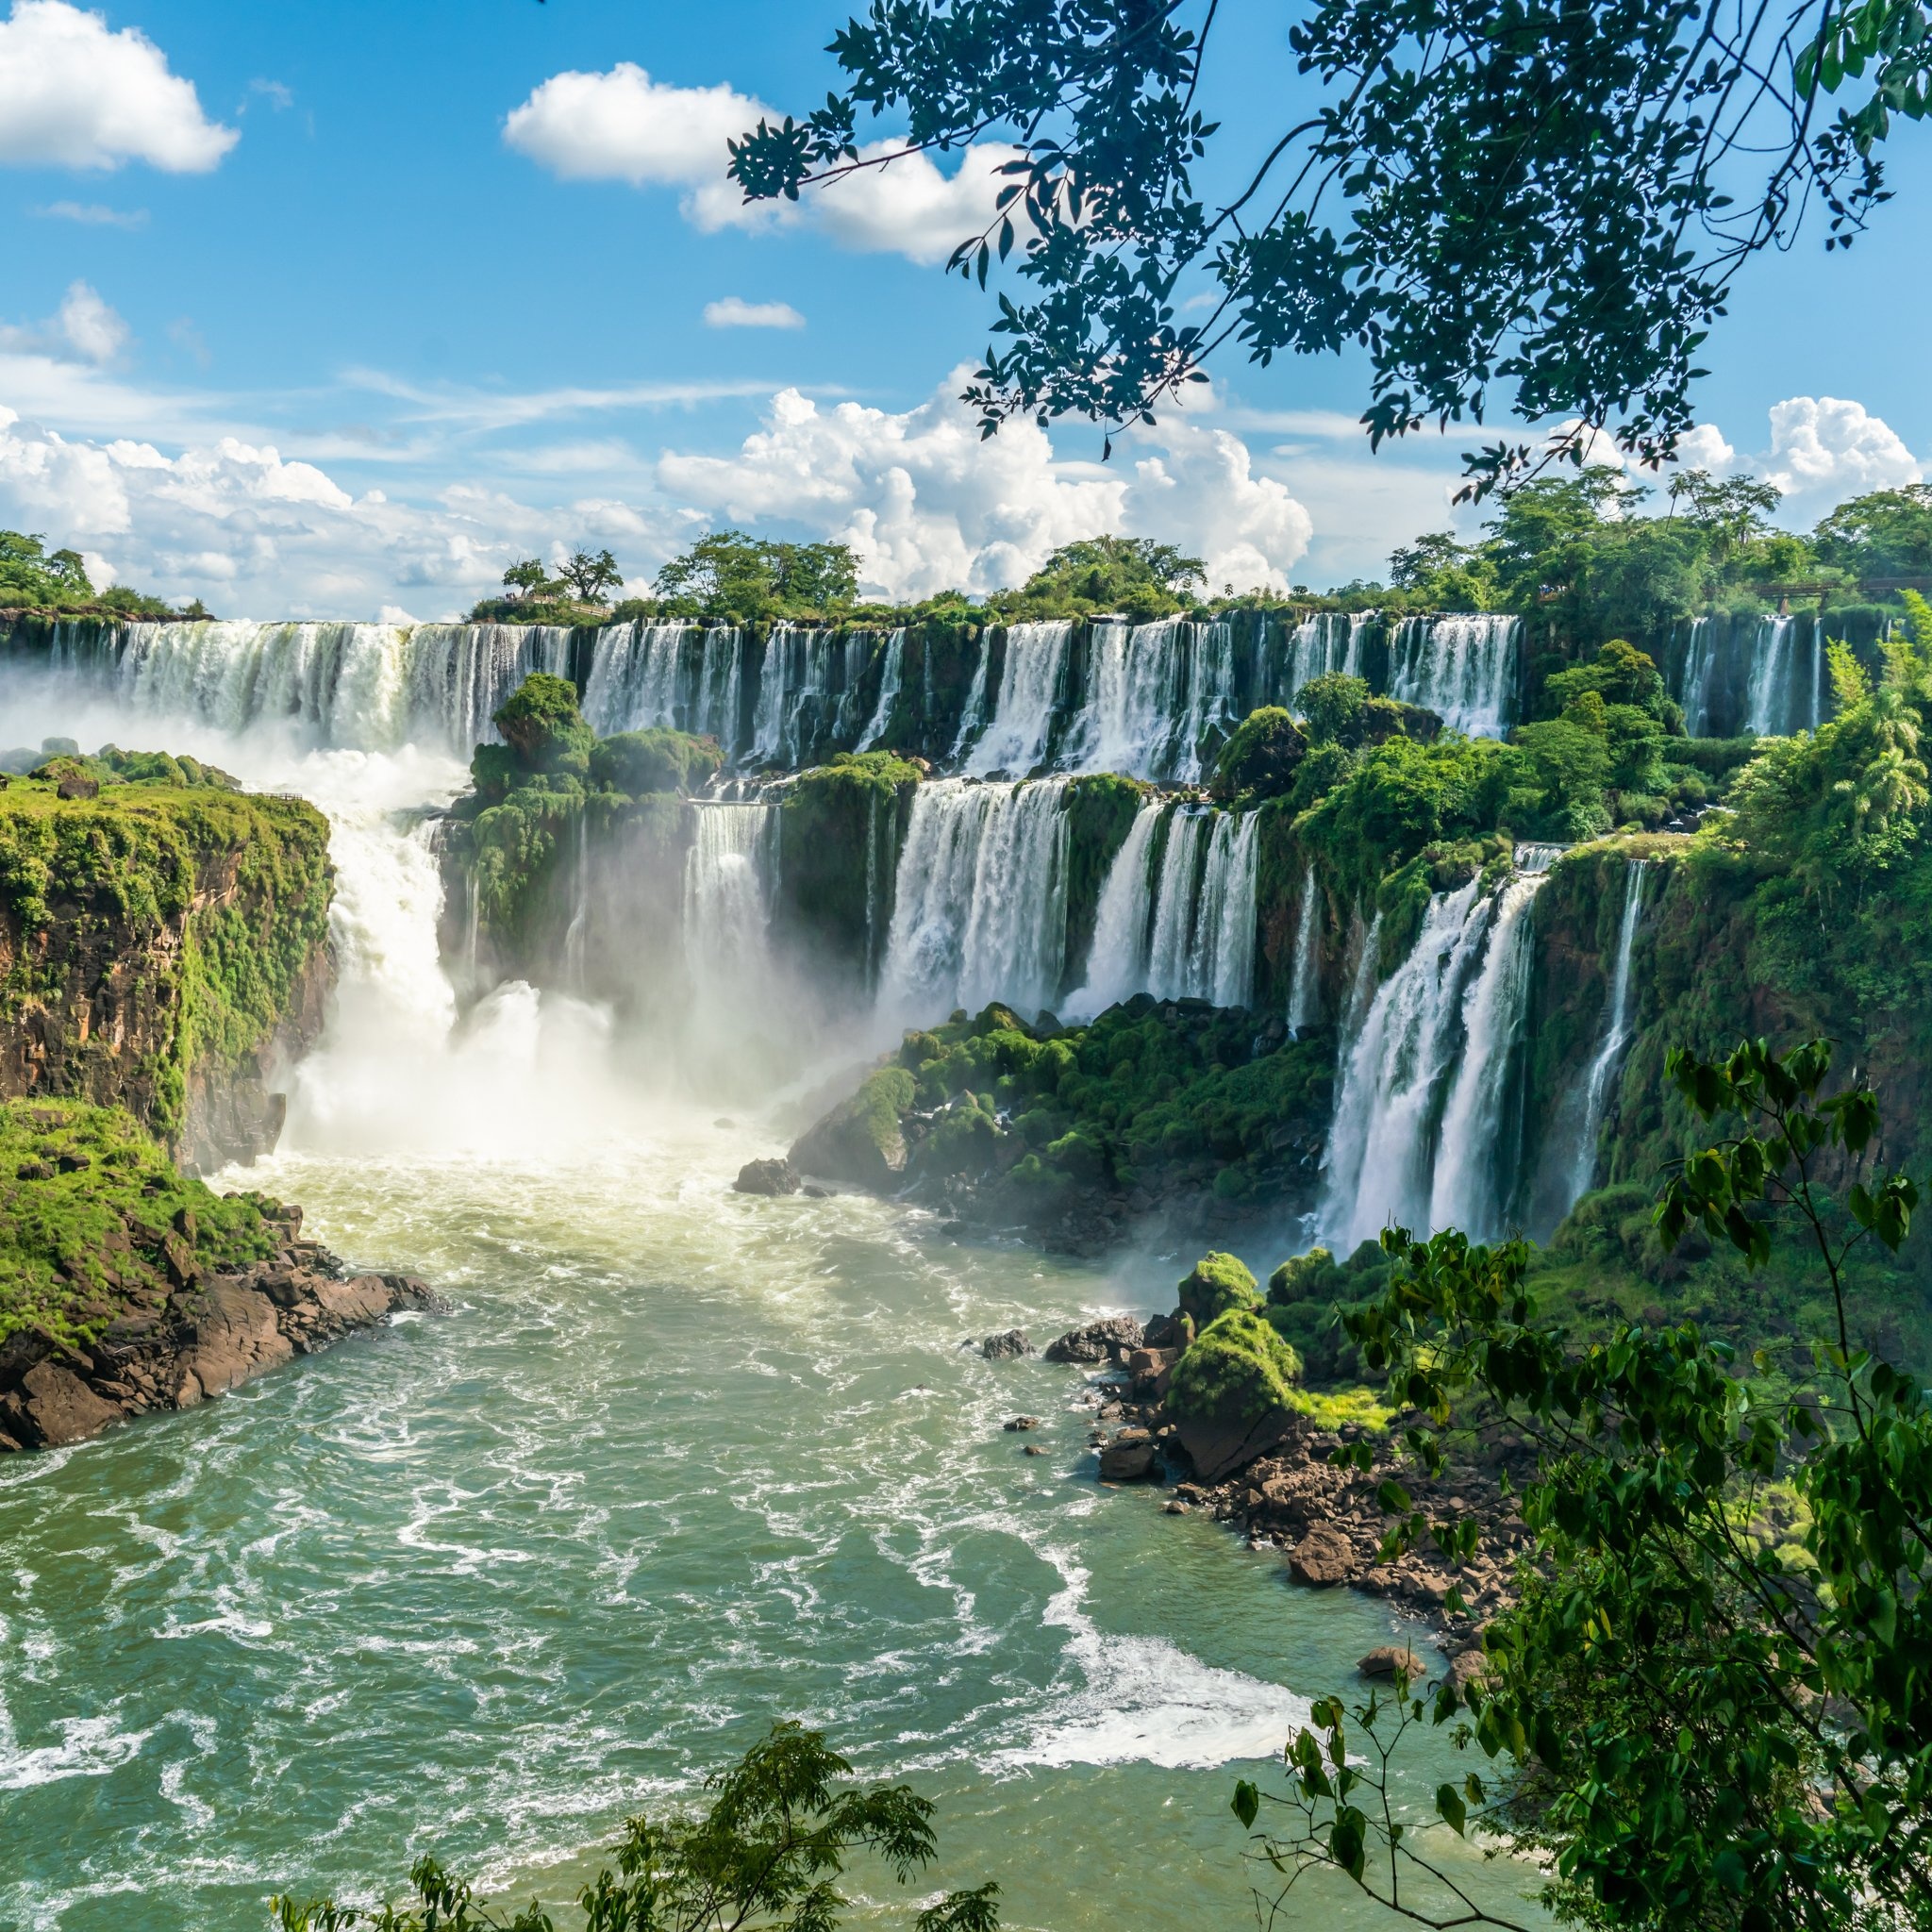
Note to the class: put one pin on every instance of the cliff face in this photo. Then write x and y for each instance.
(164, 949)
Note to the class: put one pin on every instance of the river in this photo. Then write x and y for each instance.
(681, 1462)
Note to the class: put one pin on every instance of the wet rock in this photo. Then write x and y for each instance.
(1322, 1559)
(1129, 1457)
(1023, 1421)
(1386, 1659)
(1096, 1341)
(1033, 1449)
(767, 1177)
(1466, 1668)
(62, 1408)
(1174, 1507)
(1007, 1347)
(77, 784)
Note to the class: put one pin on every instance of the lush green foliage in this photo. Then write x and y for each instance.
(1132, 575)
(1237, 1366)
(34, 578)
(639, 762)
(1501, 204)
(764, 1856)
(88, 1208)
(245, 879)
(745, 579)
(1262, 755)
(1215, 1284)
(1717, 1679)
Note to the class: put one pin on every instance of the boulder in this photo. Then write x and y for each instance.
(62, 1408)
(78, 785)
(1128, 1458)
(767, 1177)
(1218, 1283)
(1386, 1659)
(1322, 1559)
(235, 1337)
(1008, 1347)
(862, 1138)
(1232, 1394)
(1022, 1422)
(1096, 1341)
(1466, 1668)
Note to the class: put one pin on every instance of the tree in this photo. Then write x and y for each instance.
(543, 729)
(1731, 511)
(1517, 203)
(1715, 1691)
(1115, 573)
(529, 579)
(591, 576)
(1885, 534)
(728, 572)
(764, 1857)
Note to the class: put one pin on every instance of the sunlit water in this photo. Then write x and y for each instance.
(681, 1463)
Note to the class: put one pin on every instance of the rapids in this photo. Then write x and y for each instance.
(681, 1463)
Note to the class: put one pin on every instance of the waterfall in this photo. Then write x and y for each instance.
(1224, 954)
(973, 714)
(1305, 988)
(1619, 1024)
(1036, 663)
(890, 679)
(1461, 668)
(1329, 641)
(1700, 656)
(773, 715)
(635, 683)
(727, 881)
(1154, 691)
(1470, 1189)
(720, 686)
(1174, 899)
(1769, 712)
(1117, 965)
(979, 909)
(364, 687)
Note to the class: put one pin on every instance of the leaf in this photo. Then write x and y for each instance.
(1246, 1802)
(1453, 1811)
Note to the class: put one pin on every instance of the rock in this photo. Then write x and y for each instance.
(236, 1336)
(767, 1177)
(71, 1163)
(77, 784)
(1322, 1559)
(815, 1193)
(62, 1407)
(1386, 1659)
(1023, 1421)
(1466, 1668)
(863, 1140)
(1033, 1449)
(1007, 1347)
(1174, 1507)
(1096, 1341)
(184, 1270)
(1129, 1457)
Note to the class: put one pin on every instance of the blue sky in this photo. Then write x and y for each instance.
(328, 309)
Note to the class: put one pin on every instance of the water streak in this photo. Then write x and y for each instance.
(1619, 1025)
(1030, 681)
(1463, 667)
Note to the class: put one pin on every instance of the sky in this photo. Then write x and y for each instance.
(336, 310)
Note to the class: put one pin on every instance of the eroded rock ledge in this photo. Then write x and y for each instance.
(206, 1336)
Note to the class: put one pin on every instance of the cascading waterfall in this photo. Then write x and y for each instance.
(979, 906)
(1619, 1025)
(890, 679)
(1468, 1190)
(1174, 906)
(1463, 667)
(635, 681)
(1329, 641)
(576, 935)
(1304, 987)
(1117, 965)
(1700, 656)
(1154, 691)
(1787, 689)
(727, 883)
(973, 714)
(1036, 664)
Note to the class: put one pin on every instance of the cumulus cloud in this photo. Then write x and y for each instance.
(261, 535)
(85, 329)
(1822, 447)
(623, 125)
(93, 214)
(74, 93)
(733, 311)
(1704, 448)
(928, 504)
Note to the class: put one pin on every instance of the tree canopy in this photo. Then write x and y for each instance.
(33, 577)
(730, 573)
(1516, 205)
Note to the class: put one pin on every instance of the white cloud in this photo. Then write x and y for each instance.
(86, 329)
(76, 94)
(623, 125)
(733, 311)
(92, 214)
(1825, 450)
(929, 504)
(1703, 447)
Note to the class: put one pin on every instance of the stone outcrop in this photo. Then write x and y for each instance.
(209, 1334)
(1098, 1342)
(768, 1177)
(1008, 1347)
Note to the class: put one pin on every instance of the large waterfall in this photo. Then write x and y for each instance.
(1023, 717)
(727, 885)
(1427, 1075)
(1787, 686)
(1462, 668)
(1305, 988)
(1619, 1025)
(367, 686)
(891, 676)
(1329, 641)
(1153, 691)
(1700, 661)
(979, 910)
(1183, 929)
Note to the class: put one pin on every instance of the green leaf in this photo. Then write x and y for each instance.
(1246, 1802)
(1455, 1814)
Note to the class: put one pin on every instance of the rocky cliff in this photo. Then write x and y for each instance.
(163, 948)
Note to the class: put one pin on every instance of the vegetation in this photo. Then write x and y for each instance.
(1525, 208)
(745, 579)
(95, 1220)
(765, 1856)
(34, 578)
(1133, 576)
(242, 880)
(1236, 1367)
(1713, 1693)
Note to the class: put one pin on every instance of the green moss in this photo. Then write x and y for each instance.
(1236, 1370)
(245, 879)
(1100, 809)
(1216, 1283)
(1260, 759)
(638, 764)
(838, 833)
(88, 1206)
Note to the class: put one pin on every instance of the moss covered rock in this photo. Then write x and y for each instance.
(638, 764)
(1234, 1393)
(861, 1139)
(1260, 759)
(1216, 1283)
